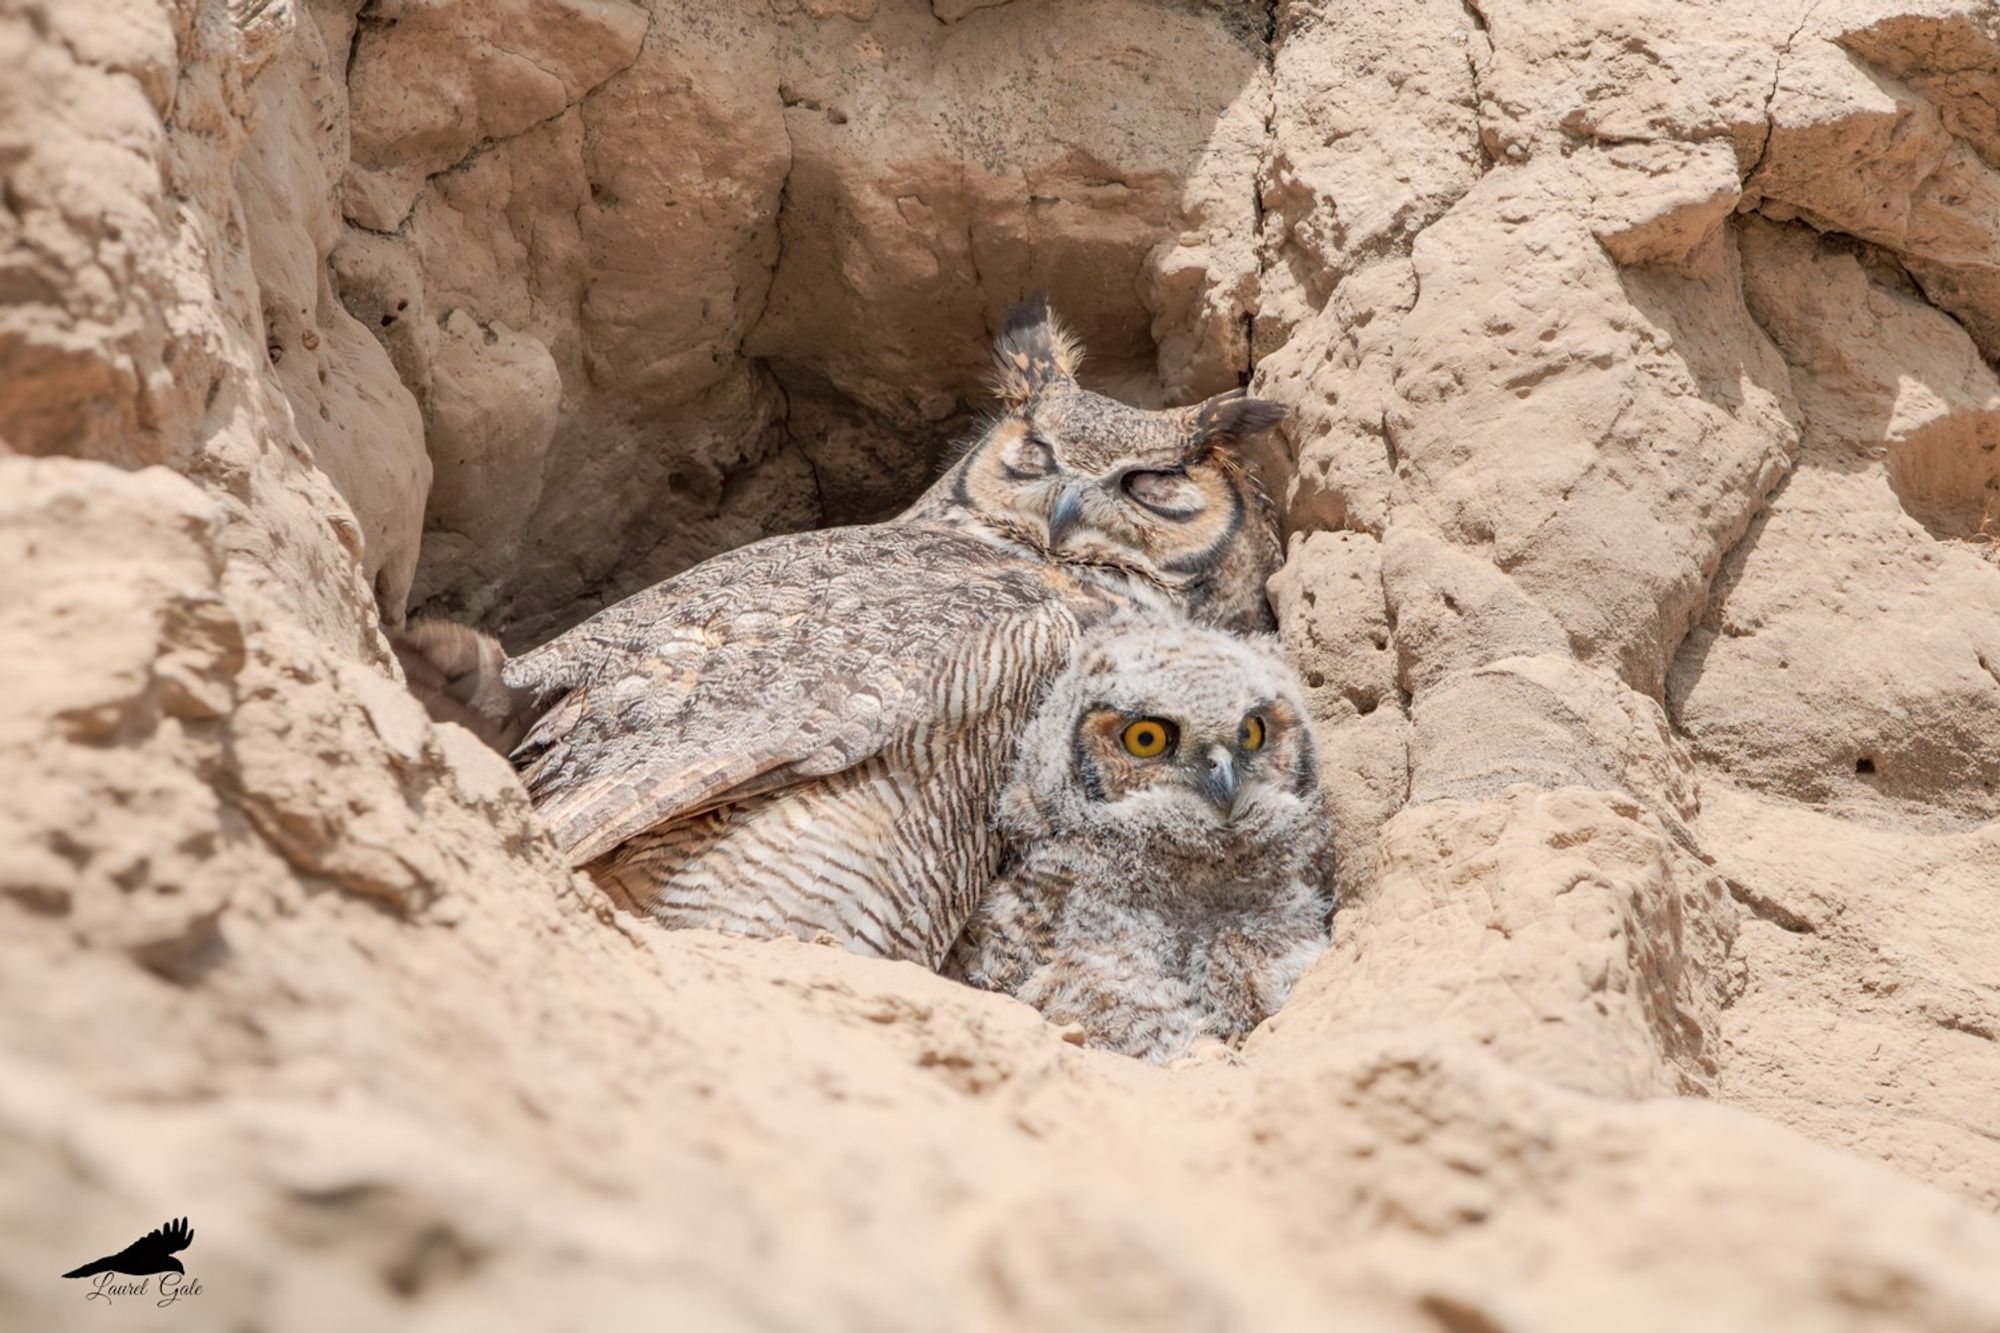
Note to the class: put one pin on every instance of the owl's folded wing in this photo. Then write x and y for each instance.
(792, 658)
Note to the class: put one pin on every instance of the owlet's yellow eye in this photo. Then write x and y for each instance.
(1148, 738)
(1250, 732)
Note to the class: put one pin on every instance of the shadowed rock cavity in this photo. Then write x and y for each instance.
(663, 282)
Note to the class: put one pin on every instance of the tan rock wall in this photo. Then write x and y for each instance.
(1644, 461)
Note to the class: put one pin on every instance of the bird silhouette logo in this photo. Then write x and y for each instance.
(152, 1253)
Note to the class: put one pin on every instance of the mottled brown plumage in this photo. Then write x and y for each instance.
(806, 735)
(769, 744)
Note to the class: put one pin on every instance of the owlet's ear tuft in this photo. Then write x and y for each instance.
(1033, 351)
(1232, 417)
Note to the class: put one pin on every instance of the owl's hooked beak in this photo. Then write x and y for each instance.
(1217, 781)
(1066, 513)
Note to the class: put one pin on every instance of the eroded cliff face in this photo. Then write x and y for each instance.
(1641, 492)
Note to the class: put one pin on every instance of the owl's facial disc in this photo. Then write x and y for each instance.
(1147, 752)
(1094, 481)
(1133, 509)
(1099, 482)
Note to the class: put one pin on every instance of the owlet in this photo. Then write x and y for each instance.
(1168, 872)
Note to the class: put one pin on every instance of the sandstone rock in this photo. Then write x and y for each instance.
(1850, 657)
(1498, 892)
(1639, 497)
(1855, 148)
(427, 84)
(495, 400)
(1863, 946)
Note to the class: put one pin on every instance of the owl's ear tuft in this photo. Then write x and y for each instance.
(1034, 350)
(1233, 417)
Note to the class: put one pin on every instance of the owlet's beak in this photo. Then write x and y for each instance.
(1066, 513)
(1217, 781)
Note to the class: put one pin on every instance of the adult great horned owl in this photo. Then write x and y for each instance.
(1154, 502)
(806, 735)
(1170, 846)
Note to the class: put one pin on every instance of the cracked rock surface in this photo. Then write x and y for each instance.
(1642, 494)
